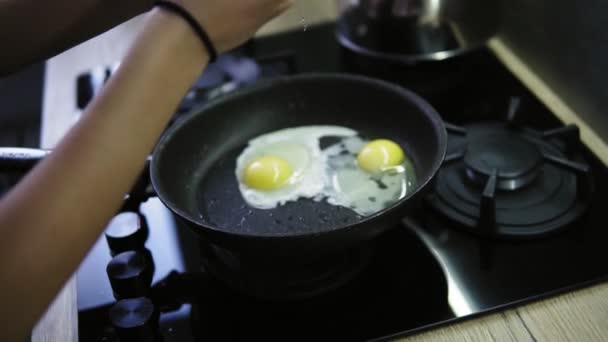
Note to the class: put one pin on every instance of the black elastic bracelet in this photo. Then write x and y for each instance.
(196, 26)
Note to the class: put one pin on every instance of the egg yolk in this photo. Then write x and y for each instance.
(380, 154)
(267, 173)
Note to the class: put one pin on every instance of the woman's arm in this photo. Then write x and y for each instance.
(34, 30)
(50, 220)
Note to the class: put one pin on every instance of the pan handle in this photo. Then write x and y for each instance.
(20, 159)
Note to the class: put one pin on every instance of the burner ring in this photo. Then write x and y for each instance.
(516, 160)
(557, 192)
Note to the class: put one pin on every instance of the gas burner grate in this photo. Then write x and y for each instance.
(502, 179)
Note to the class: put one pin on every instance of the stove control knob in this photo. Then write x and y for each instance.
(126, 231)
(130, 275)
(135, 320)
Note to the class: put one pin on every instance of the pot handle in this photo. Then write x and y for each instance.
(20, 159)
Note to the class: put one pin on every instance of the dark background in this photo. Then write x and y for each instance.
(20, 113)
(566, 44)
(21, 107)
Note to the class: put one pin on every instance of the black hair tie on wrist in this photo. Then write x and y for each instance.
(196, 26)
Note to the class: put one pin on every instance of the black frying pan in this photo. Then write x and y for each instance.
(193, 166)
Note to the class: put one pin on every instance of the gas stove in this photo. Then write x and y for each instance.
(515, 215)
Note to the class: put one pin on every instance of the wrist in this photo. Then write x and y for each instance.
(174, 36)
(195, 25)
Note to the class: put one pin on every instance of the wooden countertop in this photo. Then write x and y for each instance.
(581, 315)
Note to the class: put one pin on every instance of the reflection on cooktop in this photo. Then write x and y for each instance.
(404, 287)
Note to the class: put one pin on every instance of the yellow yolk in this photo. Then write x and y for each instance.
(267, 173)
(380, 154)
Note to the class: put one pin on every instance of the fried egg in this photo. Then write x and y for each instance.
(365, 176)
(285, 165)
(289, 164)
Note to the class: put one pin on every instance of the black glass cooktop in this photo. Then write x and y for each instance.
(462, 254)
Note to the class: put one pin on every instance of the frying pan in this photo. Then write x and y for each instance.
(193, 168)
(193, 165)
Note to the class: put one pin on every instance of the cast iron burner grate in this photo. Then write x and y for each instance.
(500, 179)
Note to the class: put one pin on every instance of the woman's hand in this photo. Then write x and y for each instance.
(230, 23)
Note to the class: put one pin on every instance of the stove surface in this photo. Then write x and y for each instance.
(431, 270)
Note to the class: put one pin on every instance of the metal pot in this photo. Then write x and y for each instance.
(412, 31)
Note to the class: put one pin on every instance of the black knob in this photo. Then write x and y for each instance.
(90, 83)
(135, 320)
(130, 275)
(85, 90)
(125, 232)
